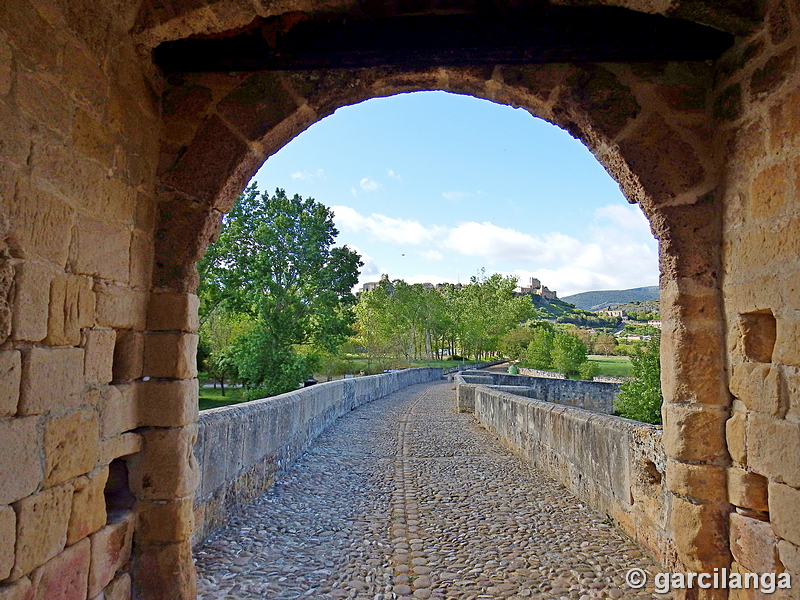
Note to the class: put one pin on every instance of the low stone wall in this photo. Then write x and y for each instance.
(473, 366)
(243, 447)
(615, 465)
(591, 395)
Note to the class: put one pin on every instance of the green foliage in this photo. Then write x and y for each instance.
(569, 352)
(640, 398)
(588, 370)
(400, 319)
(605, 343)
(274, 265)
(514, 343)
(539, 354)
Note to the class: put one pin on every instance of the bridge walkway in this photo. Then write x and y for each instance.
(403, 498)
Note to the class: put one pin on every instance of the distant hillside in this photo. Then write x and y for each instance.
(604, 298)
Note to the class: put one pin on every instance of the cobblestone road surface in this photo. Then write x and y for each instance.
(402, 499)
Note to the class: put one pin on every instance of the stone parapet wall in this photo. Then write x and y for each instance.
(590, 395)
(473, 366)
(615, 465)
(242, 448)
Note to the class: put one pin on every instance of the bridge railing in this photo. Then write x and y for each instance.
(242, 448)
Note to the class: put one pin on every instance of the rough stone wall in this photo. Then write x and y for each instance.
(79, 123)
(589, 395)
(242, 448)
(759, 111)
(613, 464)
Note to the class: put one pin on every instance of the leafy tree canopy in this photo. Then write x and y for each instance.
(275, 262)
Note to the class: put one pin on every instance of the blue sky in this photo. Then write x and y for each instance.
(433, 186)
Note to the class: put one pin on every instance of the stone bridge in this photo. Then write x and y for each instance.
(404, 497)
(128, 127)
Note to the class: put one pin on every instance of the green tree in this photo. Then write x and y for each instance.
(605, 343)
(514, 343)
(539, 354)
(275, 261)
(569, 353)
(640, 398)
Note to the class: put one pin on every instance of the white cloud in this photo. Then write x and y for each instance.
(431, 255)
(393, 175)
(618, 251)
(454, 195)
(383, 228)
(369, 185)
(306, 176)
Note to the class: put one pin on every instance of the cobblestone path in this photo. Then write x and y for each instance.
(403, 498)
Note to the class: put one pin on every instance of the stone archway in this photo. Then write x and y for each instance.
(627, 117)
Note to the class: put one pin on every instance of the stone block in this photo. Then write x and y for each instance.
(120, 445)
(72, 306)
(693, 434)
(167, 470)
(42, 522)
(200, 173)
(700, 534)
(772, 448)
(167, 403)
(31, 301)
(164, 521)
(128, 355)
(98, 361)
(758, 386)
(119, 589)
(101, 249)
(71, 445)
(41, 224)
(118, 411)
(120, 307)
(735, 435)
(754, 545)
(768, 193)
(63, 577)
(92, 139)
(747, 489)
(42, 99)
(8, 538)
(784, 511)
(170, 355)
(10, 376)
(791, 375)
(51, 378)
(20, 463)
(758, 332)
(88, 512)
(787, 342)
(111, 550)
(165, 572)
(768, 78)
(704, 482)
(790, 556)
(22, 589)
(141, 266)
(173, 311)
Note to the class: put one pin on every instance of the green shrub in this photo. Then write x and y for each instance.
(640, 398)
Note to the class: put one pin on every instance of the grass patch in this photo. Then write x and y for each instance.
(612, 366)
(213, 398)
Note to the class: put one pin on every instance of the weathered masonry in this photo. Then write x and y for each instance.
(119, 154)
